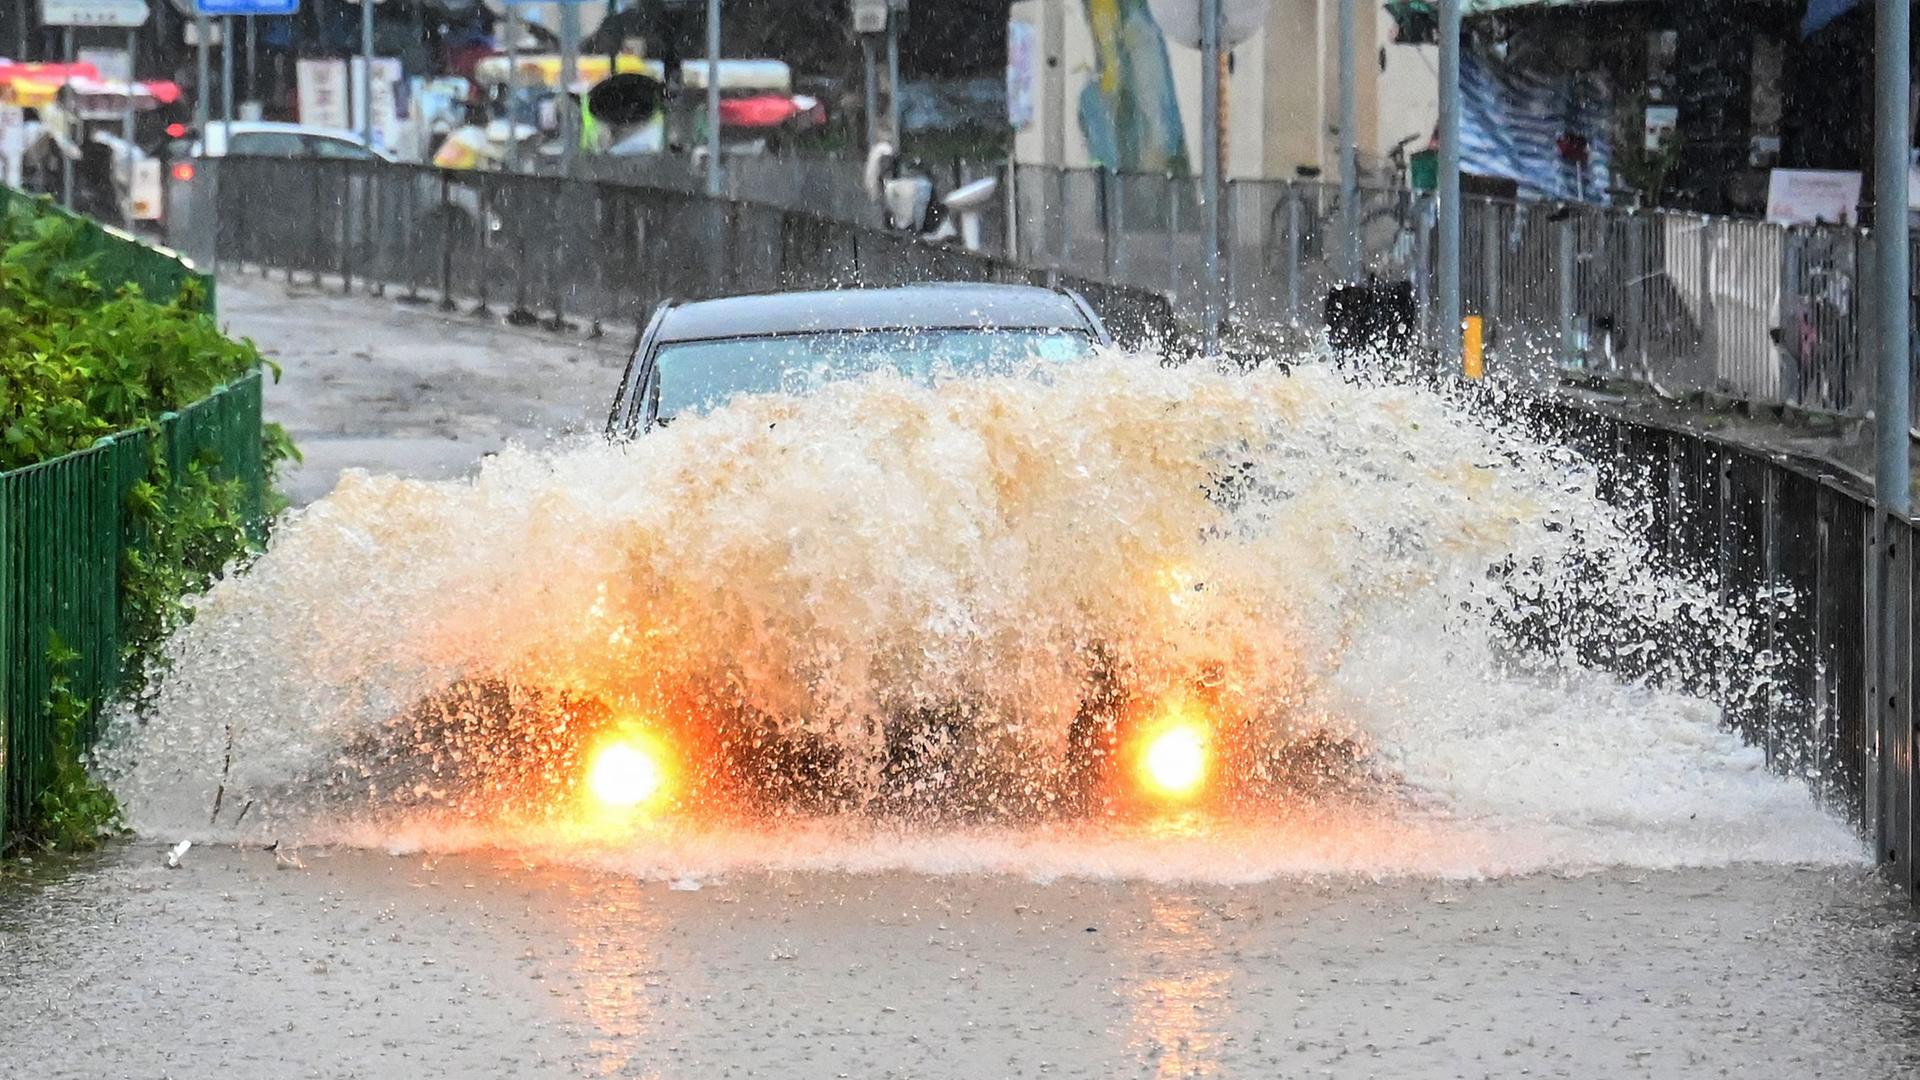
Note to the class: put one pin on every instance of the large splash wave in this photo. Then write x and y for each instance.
(1362, 565)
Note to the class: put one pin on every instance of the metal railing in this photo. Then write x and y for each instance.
(1686, 302)
(548, 248)
(64, 535)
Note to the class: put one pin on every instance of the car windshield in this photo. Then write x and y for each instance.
(695, 376)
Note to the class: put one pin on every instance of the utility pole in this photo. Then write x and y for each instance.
(1210, 167)
(365, 88)
(569, 74)
(202, 77)
(226, 77)
(1891, 800)
(713, 98)
(1449, 225)
(1349, 153)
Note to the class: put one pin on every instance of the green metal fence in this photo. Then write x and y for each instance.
(65, 527)
(118, 258)
(64, 532)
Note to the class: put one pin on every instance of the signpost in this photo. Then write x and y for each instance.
(224, 8)
(121, 13)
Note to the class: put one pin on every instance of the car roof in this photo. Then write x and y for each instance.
(905, 307)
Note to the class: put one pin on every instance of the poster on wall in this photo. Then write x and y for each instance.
(1022, 44)
(322, 89)
(1813, 197)
(385, 92)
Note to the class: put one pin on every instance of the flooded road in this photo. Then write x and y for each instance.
(1520, 865)
(362, 964)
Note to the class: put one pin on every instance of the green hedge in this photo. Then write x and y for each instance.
(116, 258)
(134, 467)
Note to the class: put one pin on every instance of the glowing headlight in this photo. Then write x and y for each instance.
(1173, 759)
(626, 771)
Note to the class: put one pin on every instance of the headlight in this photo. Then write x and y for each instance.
(628, 770)
(1171, 761)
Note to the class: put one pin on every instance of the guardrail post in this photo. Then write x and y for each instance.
(1490, 312)
(1173, 239)
(1110, 212)
(1293, 254)
(446, 237)
(1563, 261)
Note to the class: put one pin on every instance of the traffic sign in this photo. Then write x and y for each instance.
(128, 13)
(217, 8)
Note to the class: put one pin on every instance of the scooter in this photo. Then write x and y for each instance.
(911, 203)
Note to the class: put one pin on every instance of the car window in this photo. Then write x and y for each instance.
(339, 149)
(695, 376)
(273, 144)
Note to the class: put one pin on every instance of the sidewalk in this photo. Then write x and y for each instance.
(372, 383)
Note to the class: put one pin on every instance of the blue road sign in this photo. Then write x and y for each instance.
(246, 7)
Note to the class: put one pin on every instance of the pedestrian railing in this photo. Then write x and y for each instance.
(548, 248)
(65, 535)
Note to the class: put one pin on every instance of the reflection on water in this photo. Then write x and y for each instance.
(617, 975)
(1179, 999)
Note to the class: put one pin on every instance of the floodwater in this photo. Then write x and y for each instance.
(1510, 863)
(361, 964)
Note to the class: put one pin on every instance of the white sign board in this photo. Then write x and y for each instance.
(1661, 122)
(1023, 48)
(13, 142)
(143, 201)
(127, 13)
(385, 92)
(114, 65)
(321, 89)
(1813, 196)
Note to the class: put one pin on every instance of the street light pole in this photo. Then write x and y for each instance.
(1892, 125)
(1349, 153)
(1210, 166)
(570, 119)
(366, 71)
(1448, 255)
(1890, 795)
(713, 98)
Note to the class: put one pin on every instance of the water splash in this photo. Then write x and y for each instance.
(1329, 564)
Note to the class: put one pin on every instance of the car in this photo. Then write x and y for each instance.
(1128, 749)
(693, 356)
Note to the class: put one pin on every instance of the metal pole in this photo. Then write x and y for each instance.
(1349, 153)
(868, 66)
(1893, 481)
(713, 98)
(569, 71)
(1448, 255)
(202, 79)
(226, 76)
(893, 81)
(126, 134)
(75, 129)
(1891, 127)
(253, 61)
(513, 74)
(1210, 166)
(365, 88)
